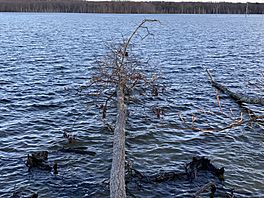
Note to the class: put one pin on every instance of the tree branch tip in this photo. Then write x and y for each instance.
(151, 20)
(210, 75)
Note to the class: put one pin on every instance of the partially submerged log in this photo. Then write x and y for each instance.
(198, 164)
(202, 163)
(191, 169)
(241, 98)
(38, 160)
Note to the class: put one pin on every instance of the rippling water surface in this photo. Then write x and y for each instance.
(44, 58)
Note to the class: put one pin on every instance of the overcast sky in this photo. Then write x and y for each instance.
(235, 1)
(243, 1)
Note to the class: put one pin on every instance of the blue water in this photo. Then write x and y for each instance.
(45, 58)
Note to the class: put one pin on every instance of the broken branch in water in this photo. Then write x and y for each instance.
(234, 122)
(240, 98)
(71, 139)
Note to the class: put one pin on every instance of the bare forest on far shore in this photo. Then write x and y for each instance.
(130, 7)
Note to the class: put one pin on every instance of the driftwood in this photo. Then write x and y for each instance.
(240, 98)
(71, 139)
(191, 169)
(38, 160)
(202, 163)
(189, 175)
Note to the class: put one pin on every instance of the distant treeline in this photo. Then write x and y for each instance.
(82, 6)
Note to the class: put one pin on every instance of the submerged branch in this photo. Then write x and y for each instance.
(240, 98)
(199, 166)
(209, 185)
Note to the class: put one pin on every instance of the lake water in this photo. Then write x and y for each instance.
(45, 58)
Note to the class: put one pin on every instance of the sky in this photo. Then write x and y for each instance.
(234, 1)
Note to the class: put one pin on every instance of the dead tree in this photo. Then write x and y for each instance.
(240, 99)
(117, 177)
(117, 75)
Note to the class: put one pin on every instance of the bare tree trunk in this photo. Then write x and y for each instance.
(117, 177)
